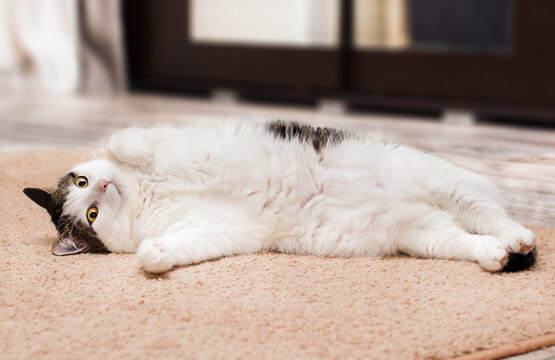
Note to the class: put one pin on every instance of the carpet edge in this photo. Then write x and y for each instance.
(510, 350)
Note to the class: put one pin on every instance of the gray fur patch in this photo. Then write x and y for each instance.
(318, 137)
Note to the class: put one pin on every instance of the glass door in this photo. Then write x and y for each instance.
(468, 50)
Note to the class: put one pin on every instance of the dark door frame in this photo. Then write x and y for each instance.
(160, 55)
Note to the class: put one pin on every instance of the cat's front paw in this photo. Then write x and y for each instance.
(132, 147)
(154, 258)
(518, 239)
(492, 254)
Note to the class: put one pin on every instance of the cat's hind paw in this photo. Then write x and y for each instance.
(154, 258)
(492, 254)
(518, 239)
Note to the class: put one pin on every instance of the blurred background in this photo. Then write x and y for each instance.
(485, 59)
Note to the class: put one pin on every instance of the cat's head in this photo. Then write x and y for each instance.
(85, 202)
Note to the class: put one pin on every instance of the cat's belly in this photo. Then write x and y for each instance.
(340, 214)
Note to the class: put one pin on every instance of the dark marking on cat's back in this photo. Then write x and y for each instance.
(318, 137)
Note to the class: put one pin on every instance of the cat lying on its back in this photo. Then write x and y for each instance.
(182, 196)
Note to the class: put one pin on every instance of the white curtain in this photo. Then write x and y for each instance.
(61, 45)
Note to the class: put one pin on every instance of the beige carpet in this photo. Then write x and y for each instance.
(260, 306)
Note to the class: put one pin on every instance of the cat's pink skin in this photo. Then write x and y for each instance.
(103, 184)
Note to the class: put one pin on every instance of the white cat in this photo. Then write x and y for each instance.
(179, 196)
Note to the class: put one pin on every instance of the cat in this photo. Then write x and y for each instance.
(180, 196)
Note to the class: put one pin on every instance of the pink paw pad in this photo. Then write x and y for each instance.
(503, 261)
(525, 248)
(158, 247)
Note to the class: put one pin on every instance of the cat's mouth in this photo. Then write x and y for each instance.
(112, 184)
(112, 196)
(112, 187)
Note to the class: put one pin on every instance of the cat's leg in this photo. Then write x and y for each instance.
(478, 205)
(482, 216)
(132, 146)
(431, 233)
(186, 244)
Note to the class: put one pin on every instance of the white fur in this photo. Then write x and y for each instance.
(184, 195)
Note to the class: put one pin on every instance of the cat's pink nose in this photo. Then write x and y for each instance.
(103, 184)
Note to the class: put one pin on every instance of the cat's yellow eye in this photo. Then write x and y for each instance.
(81, 182)
(92, 213)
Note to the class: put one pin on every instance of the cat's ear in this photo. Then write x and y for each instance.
(66, 246)
(41, 197)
